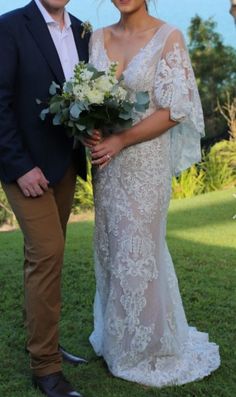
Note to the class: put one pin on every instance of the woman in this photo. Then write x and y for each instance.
(140, 324)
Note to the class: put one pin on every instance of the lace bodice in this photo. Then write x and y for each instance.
(164, 69)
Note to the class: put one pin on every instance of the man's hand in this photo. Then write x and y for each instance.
(33, 183)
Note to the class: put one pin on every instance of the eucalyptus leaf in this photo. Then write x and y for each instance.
(92, 69)
(75, 110)
(53, 88)
(124, 116)
(56, 98)
(121, 78)
(127, 106)
(43, 114)
(139, 108)
(80, 127)
(55, 107)
(68, 87)
(96, 75)
(57, 119)
(142, 97)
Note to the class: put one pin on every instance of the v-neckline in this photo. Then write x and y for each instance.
(141, 49)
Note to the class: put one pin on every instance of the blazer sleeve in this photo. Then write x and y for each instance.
(15, 160)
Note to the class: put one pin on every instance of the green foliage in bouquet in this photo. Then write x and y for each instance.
(94, 99)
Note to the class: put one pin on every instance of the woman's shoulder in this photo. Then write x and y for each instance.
(168, 32)
(104, 29)
(97, 32)
(168, 27)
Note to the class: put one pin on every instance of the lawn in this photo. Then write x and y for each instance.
(202, 240)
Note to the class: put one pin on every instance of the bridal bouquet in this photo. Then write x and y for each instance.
(93, 99)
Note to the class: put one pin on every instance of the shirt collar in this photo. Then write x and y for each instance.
(48, 18)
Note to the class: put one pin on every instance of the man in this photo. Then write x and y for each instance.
(40, 43)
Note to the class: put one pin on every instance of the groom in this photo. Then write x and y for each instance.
(40, 43)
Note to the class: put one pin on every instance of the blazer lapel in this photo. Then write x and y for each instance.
(81, 43)
(39, 30)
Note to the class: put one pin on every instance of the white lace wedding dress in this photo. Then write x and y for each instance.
(140, 326)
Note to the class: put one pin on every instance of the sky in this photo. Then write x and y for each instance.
(177, 13)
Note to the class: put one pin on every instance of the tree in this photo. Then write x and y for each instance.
(215, 68)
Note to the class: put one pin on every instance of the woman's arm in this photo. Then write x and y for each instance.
(149, 128)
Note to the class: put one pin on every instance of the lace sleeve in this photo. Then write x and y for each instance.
(176, 90)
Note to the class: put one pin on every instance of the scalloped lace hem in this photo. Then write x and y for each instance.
(198, 360)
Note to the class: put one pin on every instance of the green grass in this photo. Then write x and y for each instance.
(202, 240)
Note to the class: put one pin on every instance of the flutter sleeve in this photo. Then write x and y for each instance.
(176, 90)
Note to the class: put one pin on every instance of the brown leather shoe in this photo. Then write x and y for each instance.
(54, 385)
(71, 358)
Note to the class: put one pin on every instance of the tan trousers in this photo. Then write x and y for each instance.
(43, 223)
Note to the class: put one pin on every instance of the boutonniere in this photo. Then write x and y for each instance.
(87, 28)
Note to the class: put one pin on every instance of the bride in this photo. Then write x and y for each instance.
(140, 327)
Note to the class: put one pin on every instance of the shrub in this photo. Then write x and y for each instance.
(217, 171)
(219, 166)
(83, 199)
(6, 213)
(188, 184)
(225, 151)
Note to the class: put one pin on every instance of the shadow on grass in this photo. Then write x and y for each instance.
(203, 214)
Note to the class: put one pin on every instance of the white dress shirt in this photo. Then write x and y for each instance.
(63, 40)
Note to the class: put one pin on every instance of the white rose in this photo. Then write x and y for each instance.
(95, 96)
(103, 84)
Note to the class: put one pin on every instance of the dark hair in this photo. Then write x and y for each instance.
(146, 5)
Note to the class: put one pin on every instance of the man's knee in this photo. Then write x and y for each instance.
(47, 252)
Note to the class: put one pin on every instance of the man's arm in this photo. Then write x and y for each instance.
(15, 161)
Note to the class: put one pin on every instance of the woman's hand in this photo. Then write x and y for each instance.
(92, 140)
(103, 152)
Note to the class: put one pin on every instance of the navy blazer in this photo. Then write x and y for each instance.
(29, 63)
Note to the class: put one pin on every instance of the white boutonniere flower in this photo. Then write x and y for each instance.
(87, 28)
